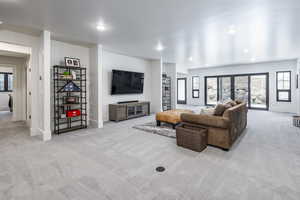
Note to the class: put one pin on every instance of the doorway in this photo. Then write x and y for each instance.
(6, 89)
(181, 91)
(13, 87)
(250, 88)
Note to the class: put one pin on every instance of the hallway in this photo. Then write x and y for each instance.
(5, 116)
(6, 122)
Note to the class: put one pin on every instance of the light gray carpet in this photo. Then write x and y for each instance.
(163, 130)
(118, 163)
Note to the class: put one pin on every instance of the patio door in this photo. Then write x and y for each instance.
(250, 88)
(181, 91)
(241, 88)
(259, 92)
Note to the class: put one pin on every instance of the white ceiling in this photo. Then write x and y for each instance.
(269, 29)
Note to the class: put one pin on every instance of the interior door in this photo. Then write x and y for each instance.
(181, 91)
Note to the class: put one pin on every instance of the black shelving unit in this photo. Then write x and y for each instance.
(166, 93)
(62, 123)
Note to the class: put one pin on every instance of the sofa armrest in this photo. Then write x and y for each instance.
(206, 120)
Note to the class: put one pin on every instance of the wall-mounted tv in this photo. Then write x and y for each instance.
(124, 82)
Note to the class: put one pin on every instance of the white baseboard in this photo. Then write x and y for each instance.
(35, 132)
(95, 124)
(47, 135)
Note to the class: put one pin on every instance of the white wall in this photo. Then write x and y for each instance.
(121, 62)
(271, 67)
(181, 68)
(4, 98)
(156, 85)
(96, 94)
(60, 50)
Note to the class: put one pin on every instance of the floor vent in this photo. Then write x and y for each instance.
(160, 169)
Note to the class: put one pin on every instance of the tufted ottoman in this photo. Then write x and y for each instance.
(170, 116)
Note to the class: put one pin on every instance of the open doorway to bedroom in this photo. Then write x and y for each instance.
(13, 88)
(6, 91)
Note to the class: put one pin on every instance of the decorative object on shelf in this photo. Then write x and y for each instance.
(73, 113)
(70, 99)
(66, 75)
(72, 62)
(74, 75)
(296, 121)
(166, 93)
(70, 87)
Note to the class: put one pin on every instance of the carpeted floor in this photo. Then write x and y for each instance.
(118, 162)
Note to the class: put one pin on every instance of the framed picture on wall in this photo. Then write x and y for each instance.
(72, 62)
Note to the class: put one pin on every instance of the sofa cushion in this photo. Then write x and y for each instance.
(206, 120)
(219, 110)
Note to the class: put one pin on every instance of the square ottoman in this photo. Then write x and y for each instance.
(171, 116)
(191, 137)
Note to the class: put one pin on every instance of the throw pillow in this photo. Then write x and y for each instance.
(227, 106)
(238, 101)
(207, 111)
(227, 101)
(233, 103)
(219, 110)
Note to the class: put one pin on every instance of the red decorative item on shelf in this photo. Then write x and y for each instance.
(73, 113)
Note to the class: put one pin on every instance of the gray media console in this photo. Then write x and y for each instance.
(124, 111)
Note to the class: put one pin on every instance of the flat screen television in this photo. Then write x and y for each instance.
(124, 82)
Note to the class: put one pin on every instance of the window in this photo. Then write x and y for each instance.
(181, 90)
(195, 86)
(6, 82)
(284, 86)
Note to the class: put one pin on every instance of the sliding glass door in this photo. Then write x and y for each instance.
(250, 88)
(211, 90)
(225, 88)
(241, 88)
(259, 92)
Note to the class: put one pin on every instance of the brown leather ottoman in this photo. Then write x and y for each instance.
(170, 116)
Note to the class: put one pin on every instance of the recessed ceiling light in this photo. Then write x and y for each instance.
(246, 50)
(253, 59)
(190, 58)
(101, 27)
(1, 22)
(232, 30)
(160, 47)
